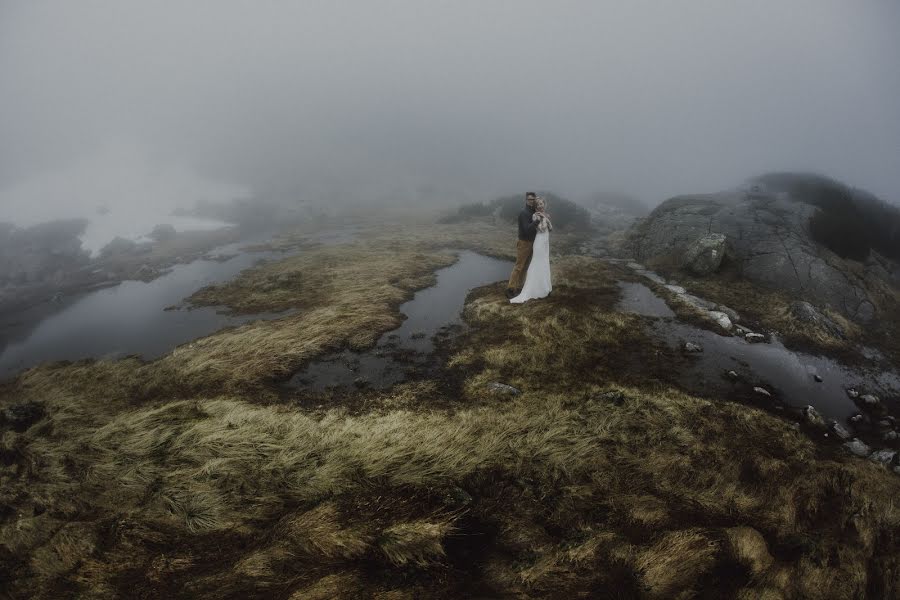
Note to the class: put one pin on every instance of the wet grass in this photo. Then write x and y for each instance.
(189, 477)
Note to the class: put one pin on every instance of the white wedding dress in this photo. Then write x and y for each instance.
(537, 278)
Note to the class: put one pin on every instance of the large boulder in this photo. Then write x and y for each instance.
(704, 255)
(776, 238)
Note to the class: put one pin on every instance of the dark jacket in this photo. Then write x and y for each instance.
(527, 227)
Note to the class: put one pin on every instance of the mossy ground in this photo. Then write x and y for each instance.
(192, 476)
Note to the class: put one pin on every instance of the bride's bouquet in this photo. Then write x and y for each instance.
(541, 216)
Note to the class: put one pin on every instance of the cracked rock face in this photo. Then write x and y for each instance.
(767, 238)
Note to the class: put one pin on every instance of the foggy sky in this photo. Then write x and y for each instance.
(447, 100)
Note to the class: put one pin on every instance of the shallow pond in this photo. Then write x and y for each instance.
(404, 351)
(130, 318)
(791, 375)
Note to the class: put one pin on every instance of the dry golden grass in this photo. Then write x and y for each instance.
(172, 479)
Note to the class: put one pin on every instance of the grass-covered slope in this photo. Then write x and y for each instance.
(191, 477)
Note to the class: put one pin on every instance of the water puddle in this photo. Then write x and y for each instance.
(130, 318)
(432, 313)
(638, 299)
(791, 375)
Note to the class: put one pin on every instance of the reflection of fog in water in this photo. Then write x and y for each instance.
(130, 317)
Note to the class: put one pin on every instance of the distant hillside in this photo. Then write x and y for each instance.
(566, 214)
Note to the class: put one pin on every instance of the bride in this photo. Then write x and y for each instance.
(537, 279)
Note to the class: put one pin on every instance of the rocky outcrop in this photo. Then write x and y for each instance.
(807, 313)
(768, 240)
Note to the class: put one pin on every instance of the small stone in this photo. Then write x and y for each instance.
(721, 319)
(677, 289)
(692, 347)
(635, 266)
(885, 457)
(817, 378)
(812, 416)
(457, 495)
(502, 388)
(891, 436)
(897, 470)
(856, 418)
(697, 302)
(762, 391)
(755, 338)
(839, 430)
(732, 374)
(884, 423)
(614, 396)
(869, 399)
(732, 314)
(857, 447)
(852, 393)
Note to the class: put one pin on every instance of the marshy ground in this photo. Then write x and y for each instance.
(201, 475)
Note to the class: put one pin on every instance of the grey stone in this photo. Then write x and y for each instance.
(762, 391)
(817, 378)
(704, 255)
(891, 436)
(502, 388)
(883, 456)
(869, 400)
(852, 393)
(459, 496)
(732, 314)
(839, 430)
(856, 418)
(692, 347)
(732, 374)
(697, 302)
(754, 338)
(813, 417)
(807, 313)
(720, 318)
(635, 266)
(676, 289)
(858, 447)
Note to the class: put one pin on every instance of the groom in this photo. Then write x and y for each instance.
(527, 233)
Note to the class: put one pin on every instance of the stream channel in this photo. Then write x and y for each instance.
(432, 312)
(790, 375)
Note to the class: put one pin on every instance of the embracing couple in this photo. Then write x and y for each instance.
(532, 253)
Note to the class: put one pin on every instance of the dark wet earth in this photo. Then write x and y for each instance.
(790, 376)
